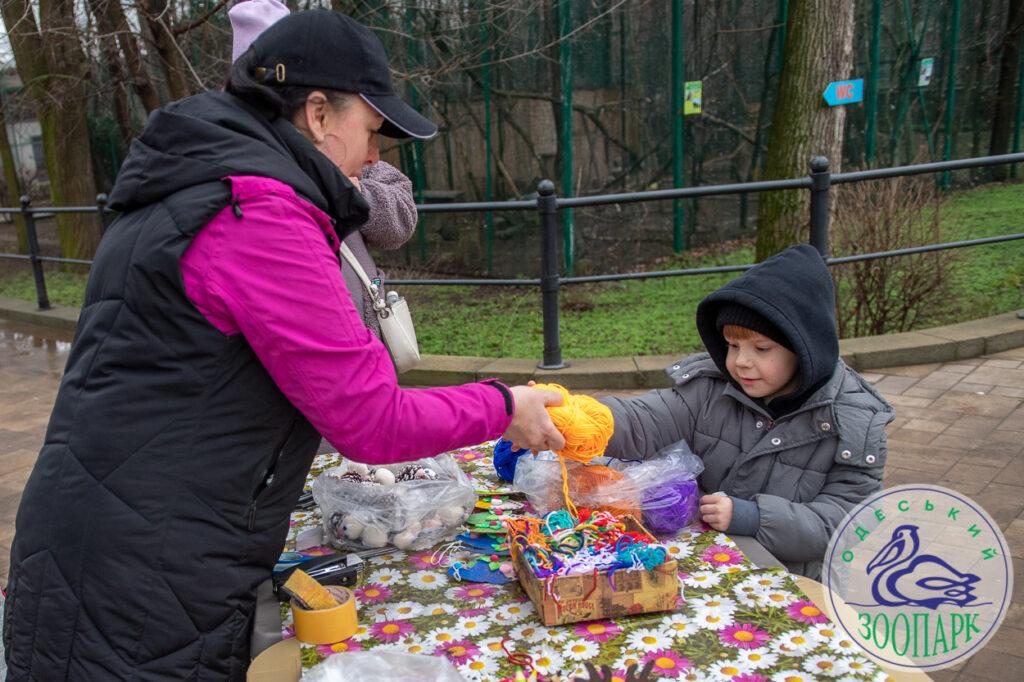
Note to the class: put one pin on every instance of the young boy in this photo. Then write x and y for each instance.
(791, 438)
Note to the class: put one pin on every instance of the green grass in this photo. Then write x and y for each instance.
(656, 316)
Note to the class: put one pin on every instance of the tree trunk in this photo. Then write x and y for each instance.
(1009, 62)
(819, 50)
(55, 72)
(158, 19)
(12, 181)
(110, 19)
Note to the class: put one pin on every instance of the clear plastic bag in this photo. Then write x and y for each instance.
(409, 514)
(383, 666)
(662, 490)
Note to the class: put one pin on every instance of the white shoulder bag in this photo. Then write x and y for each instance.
(396, 328)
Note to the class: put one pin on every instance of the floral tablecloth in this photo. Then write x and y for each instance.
(736, 622)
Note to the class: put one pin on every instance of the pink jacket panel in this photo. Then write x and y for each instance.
(272, 275)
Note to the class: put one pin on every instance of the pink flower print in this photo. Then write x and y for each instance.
(474, 591)
(598, 630)
(371, 593)
(425, 560)
(391, 630)
(806, 612)
(743, 636)
(458, 651)
(667, 663)
(474, 613)
(339, 647)
(720, 555)
(468, 455)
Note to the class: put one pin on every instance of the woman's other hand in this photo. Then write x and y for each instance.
(716, 511)
(531, 427)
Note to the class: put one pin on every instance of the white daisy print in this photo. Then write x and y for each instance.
(723, 539)
(527, 632)
(649, 639)
(793, 643)
(758, 658)
(438, 609)
(627, 659)
(726, 670)
(764, 581)
(385, 576)
(362, 633)
(678, 625)
(703, 579)
(417, 645)
(694, 675)
(382, 559)
(428, 580)
(843, 646)
(481, 669)
(470, 626)
(441, 636)
(491, 647)
(512, 613)
(822, 666)
(823, 632)
(775, 597)
(792, 676)
(714, 605)
(400, 610)
(855, 665)
(580, 649)
(554, 634)
(678, 549)
(547, 661)
(709, 621)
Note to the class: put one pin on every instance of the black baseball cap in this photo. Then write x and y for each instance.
(327, 49)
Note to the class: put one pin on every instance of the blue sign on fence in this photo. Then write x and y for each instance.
(844, 92)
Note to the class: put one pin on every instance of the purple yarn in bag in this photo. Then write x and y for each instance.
(670, 507)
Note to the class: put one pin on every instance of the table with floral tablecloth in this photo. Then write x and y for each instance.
(736, 622)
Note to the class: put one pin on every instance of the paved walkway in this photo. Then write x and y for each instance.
(959, 424)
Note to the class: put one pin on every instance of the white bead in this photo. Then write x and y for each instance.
(352, 526)
(384, 476)
(374, 537)
(358, 468)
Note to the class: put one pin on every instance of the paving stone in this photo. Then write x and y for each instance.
(927, 425)
(981, 405)
(1001, 362)
(906, 435)
(1009, 392)
(906, 400)
(958, 367)
(918, 392)
(939, 379)
(997, 376)
(977, 389)
(895, 385)
(1013, 473)
(914, 371)
(1015, 538)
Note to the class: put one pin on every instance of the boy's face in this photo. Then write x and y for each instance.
(764, 368)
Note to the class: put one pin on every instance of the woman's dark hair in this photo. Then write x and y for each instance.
(254, 88)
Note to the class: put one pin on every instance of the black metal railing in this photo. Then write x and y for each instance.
(547, 204)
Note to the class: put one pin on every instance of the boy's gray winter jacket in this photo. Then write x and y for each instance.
(794, 476)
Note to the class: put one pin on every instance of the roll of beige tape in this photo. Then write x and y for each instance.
(327, 626)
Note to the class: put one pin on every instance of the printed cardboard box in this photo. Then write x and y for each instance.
(575, 598)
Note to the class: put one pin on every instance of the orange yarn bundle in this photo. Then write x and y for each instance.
(599, 488)
(586, 425)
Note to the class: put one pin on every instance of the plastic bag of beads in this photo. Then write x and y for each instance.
(411, 506)
(668, 488)
(591, 486)
(383, 666)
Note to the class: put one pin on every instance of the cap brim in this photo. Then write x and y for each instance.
(400, 120)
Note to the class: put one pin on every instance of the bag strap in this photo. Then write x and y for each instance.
(346, 253)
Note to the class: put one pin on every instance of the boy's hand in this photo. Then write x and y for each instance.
(716, 511)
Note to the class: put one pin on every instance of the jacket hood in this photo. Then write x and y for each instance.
(213, 135)
(794, 291)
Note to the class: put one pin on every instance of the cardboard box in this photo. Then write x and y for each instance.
(590, 597)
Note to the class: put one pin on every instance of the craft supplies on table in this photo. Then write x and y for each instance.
(597, 567)
(737, 619)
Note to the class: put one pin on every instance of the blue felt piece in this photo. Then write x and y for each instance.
(483, 544)
(505, 459)
(479, 572)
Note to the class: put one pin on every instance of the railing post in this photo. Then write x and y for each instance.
(101, 206)
(33, 252)
(547, 208)
(821, 180)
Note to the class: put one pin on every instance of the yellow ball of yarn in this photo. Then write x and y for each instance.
(586, 424)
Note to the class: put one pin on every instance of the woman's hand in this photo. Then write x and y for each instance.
(716, 511)
(531, 427)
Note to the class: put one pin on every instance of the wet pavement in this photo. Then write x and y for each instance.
(959, 424)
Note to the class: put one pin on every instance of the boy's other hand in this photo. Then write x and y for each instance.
(531, 427)
(716, 511)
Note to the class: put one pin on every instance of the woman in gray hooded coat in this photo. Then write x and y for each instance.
(789, 463)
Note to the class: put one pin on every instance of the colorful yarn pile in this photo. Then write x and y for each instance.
(562, 544)
(586, 425)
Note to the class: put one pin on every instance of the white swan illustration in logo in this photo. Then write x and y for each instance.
(906, 578)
